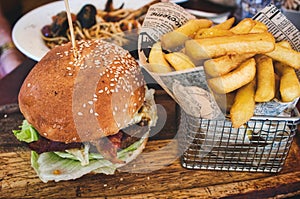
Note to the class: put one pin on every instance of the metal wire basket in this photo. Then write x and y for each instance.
(261, 145)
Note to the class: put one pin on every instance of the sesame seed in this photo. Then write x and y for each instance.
(80, 113)
(91, 110)
(90, 102)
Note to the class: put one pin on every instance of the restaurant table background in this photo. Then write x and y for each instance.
(18, 179)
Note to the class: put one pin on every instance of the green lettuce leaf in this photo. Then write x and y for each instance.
(49, 166)
(27, 133)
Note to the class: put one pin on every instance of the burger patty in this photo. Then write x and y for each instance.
(45, 145)
(121, 140)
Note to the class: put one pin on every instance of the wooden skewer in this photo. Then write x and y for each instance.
(75, 52)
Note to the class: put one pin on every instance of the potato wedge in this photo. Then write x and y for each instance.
(157, 61)
(285, 55)
(226, 25)
(224, 64)
(177, 37)
(265, 78)
(289, 85)
(213, 47)
(243, 106)
(235, 79)
(179, 61)
(243, 27)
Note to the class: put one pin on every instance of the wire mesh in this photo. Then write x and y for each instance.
(261, 145)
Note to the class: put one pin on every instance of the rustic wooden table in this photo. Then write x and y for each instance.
(160, 177)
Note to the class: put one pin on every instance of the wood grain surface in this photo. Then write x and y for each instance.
(157, 173)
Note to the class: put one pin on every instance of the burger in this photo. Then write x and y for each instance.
(87, 110)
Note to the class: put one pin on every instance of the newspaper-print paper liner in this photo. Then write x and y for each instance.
(189, 87)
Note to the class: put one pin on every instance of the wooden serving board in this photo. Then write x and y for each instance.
(167, 180)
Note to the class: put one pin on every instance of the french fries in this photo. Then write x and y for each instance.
(242, 63)
(289, 86)
(226, 25)
(224, 64)
(265, 90)
(259, 27)
(230, 45)
(235, 79)
(285, 55)
(244, 26)
(243, 106)
(176, 38)
(179, 61)
(212, 32)
(284, 43)
(157, 60)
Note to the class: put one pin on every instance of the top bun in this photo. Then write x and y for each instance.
(70, 99)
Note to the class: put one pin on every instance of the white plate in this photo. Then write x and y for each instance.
(26, 33)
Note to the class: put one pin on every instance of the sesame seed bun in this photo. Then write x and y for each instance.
(82, 99)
